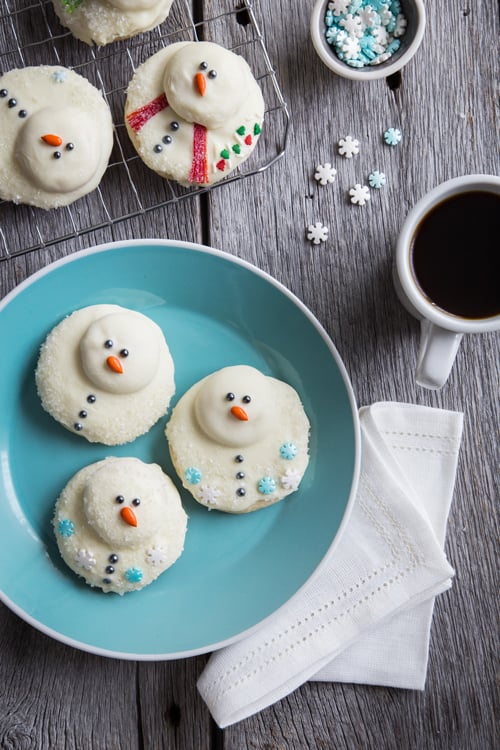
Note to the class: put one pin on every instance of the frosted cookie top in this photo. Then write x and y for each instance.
(106, 373)
(194, 112)
(56, 136)
(119, 523)
(239, 440)
(103, 21)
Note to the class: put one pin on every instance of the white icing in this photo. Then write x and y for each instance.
(104, 21)
(214, 411)
(202, 451)
(87, 505)
(103, 512)
(64, 387)
(224, 94)
(76, 166)
(54, 101)
(174, 160)
(127, 331)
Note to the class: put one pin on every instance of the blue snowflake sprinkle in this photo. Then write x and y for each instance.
(376, 179)
(288, 451)
(266, 485)
(392, 136)
(192, 475)
(60, 76)
(134, 575)
(66, 528)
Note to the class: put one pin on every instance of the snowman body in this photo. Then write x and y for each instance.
(119, 524)
(194, 112)
(239, 440)
(106, 374)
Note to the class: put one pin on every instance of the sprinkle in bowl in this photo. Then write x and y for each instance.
(367, 39)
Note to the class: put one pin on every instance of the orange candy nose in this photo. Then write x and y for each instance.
(128, 516)
(239, 413)
(52, 140)
(201, 83)
(115, 364)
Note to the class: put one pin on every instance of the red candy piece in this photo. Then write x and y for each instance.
(140, 117)
(248, 140)
(199, 165)
(221, 165)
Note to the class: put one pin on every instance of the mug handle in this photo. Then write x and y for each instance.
(438, 349)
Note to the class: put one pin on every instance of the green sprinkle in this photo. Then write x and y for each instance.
(71, 5)
(257, 130)
(241, 130)
(225, 153)
(236, 148)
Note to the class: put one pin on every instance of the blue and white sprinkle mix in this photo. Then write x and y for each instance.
(364, 32)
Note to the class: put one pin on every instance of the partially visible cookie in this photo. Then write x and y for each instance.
(239, 440)
(106, 373)
(103, 21)
(119, 523)
(194, 112)
(56, 136)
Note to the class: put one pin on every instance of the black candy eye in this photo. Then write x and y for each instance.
(212, 74)
(174, 125)
(203, 65)
(57, 154)
(246, 399)
(108, 344)
(124, 352)
(70, 146)
(119, 499)
(230, 396)
(136, 501)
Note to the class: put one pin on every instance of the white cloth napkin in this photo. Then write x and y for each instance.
(365, 616)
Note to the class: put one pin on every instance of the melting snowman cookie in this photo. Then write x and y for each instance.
(119, 523)
(103, 21)
(194, 112)
(106, 373)
(239, 440)
(56, 136)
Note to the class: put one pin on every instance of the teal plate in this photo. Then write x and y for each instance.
(215, 310)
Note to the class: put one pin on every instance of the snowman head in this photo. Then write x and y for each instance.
(124, 502)
(206, 83)
(120, 352)
(236, 406)
(57, 149)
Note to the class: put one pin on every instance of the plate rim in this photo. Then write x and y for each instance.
(224, 255)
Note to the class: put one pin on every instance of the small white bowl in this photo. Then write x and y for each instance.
(414, 12)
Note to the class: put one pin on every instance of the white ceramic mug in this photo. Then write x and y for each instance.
(441, 331)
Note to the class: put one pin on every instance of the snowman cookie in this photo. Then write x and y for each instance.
(56, 136)
(194, 112)
(119, 523)
(103, 21)
(239, 440)
(106, 373)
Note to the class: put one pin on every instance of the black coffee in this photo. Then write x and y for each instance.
(455, 254)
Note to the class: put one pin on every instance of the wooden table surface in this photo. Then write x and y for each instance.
(446, 105)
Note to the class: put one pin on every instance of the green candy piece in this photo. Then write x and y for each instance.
(241, 130)
(236, 148)
(257, 130)
(71, 5)
(225, 153)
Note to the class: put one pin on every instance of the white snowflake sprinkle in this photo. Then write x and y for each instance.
(368, 16)
(209, 495)
(325, 173)
(84, 559)
(339, 7)
(353, 25)
(290, 479)
(351, 47)
(400, 26)
(156, 555)
(359, 194)
(348, 146)
(317, 233)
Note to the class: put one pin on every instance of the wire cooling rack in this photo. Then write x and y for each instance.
(30, 34)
